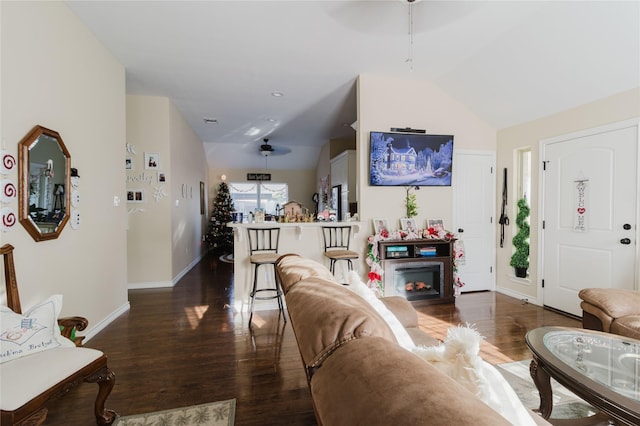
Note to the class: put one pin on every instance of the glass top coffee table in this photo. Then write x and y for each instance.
(601, 368)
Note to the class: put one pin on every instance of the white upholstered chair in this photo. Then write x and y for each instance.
(28, 381)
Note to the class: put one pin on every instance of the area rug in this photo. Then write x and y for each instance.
(226, 258)
(221, 413)
(566, 405)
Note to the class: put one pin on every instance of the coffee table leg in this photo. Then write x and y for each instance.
(543, 383)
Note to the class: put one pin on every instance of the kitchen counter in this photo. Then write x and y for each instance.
(304, 238)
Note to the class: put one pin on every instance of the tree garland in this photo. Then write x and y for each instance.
(376, 271)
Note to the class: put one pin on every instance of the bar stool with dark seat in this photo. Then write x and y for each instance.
(336, 245)
(263, 250)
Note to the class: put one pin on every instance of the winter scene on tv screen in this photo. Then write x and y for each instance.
(410, 159)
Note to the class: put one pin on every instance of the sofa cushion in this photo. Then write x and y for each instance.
(599, 314)
(628, 326)
(402, 309)
(292, 269)
(358, 287)
(614, 302)
(325, 315)
(25, 378)
(372, 381)
(34, 331)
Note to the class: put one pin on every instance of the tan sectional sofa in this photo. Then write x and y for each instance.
(611, 310)
(357, 372)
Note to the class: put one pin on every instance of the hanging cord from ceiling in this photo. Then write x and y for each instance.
(410, 57)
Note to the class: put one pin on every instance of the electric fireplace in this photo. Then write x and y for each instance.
(419, 270)
(415, 280)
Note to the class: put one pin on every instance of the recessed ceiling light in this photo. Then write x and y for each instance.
(271, 120)
(210, 120)
(277, 94)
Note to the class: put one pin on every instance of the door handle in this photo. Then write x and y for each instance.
(625, 241)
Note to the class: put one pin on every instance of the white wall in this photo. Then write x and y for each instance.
(188, 168)
(165, 232)
(56, 74)
(149, 230)
(384, 103)
(614, 108)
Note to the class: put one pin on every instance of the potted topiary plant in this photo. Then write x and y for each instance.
(520, 259)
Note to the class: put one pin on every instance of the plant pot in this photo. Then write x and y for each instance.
(521, 272)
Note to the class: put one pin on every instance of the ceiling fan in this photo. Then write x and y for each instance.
(268, 150)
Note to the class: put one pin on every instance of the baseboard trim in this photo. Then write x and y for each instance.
(518, 295)
(165, 284)
(187, 269)
(150, 284)
(105, 322)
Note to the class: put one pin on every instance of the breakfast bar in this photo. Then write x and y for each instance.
(302, 238)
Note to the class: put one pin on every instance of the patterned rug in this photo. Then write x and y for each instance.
(566, 405)
(220, 413)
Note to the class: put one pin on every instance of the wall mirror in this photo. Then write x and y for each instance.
(44, 170)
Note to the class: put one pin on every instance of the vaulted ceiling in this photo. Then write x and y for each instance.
(508, 61)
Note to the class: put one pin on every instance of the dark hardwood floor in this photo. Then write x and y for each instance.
(184, 346)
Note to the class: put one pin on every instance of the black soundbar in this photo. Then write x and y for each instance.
(407, 130)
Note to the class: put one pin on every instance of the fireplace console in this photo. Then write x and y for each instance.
(420, 270)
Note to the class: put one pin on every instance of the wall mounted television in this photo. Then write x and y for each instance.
(401, 159)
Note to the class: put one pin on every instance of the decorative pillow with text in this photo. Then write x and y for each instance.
(36, 330)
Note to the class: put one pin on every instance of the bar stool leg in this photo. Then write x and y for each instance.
(253, 291)
(279, 292)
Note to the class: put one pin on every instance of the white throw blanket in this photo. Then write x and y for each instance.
(458, 358)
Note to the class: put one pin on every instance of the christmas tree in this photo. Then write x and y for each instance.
(219, 235)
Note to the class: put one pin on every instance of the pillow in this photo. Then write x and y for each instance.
(36, 330)
(361, 289)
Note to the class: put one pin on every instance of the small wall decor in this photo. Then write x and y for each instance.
(75, 198)
(380, 226)
(202, 203)
(75, 178)
(75, 219)
(131, 149)
(151, 160)
(158, 193)
(128, 163)
(7, 218)
(8, 191)
(135, 196)
(7, 162)
(162, 177)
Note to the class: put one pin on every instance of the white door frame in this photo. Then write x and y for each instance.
(541, 193)
(492, 246)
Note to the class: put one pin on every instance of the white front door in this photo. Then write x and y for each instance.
(473, 217)
(589, 199)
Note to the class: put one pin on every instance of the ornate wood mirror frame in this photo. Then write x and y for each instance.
(44, 170)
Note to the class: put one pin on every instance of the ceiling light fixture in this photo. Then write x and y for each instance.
(277, 94)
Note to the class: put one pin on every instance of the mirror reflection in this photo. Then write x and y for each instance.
(44, 200)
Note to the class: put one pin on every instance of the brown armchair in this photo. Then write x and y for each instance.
(56, 370)
(611, 310)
